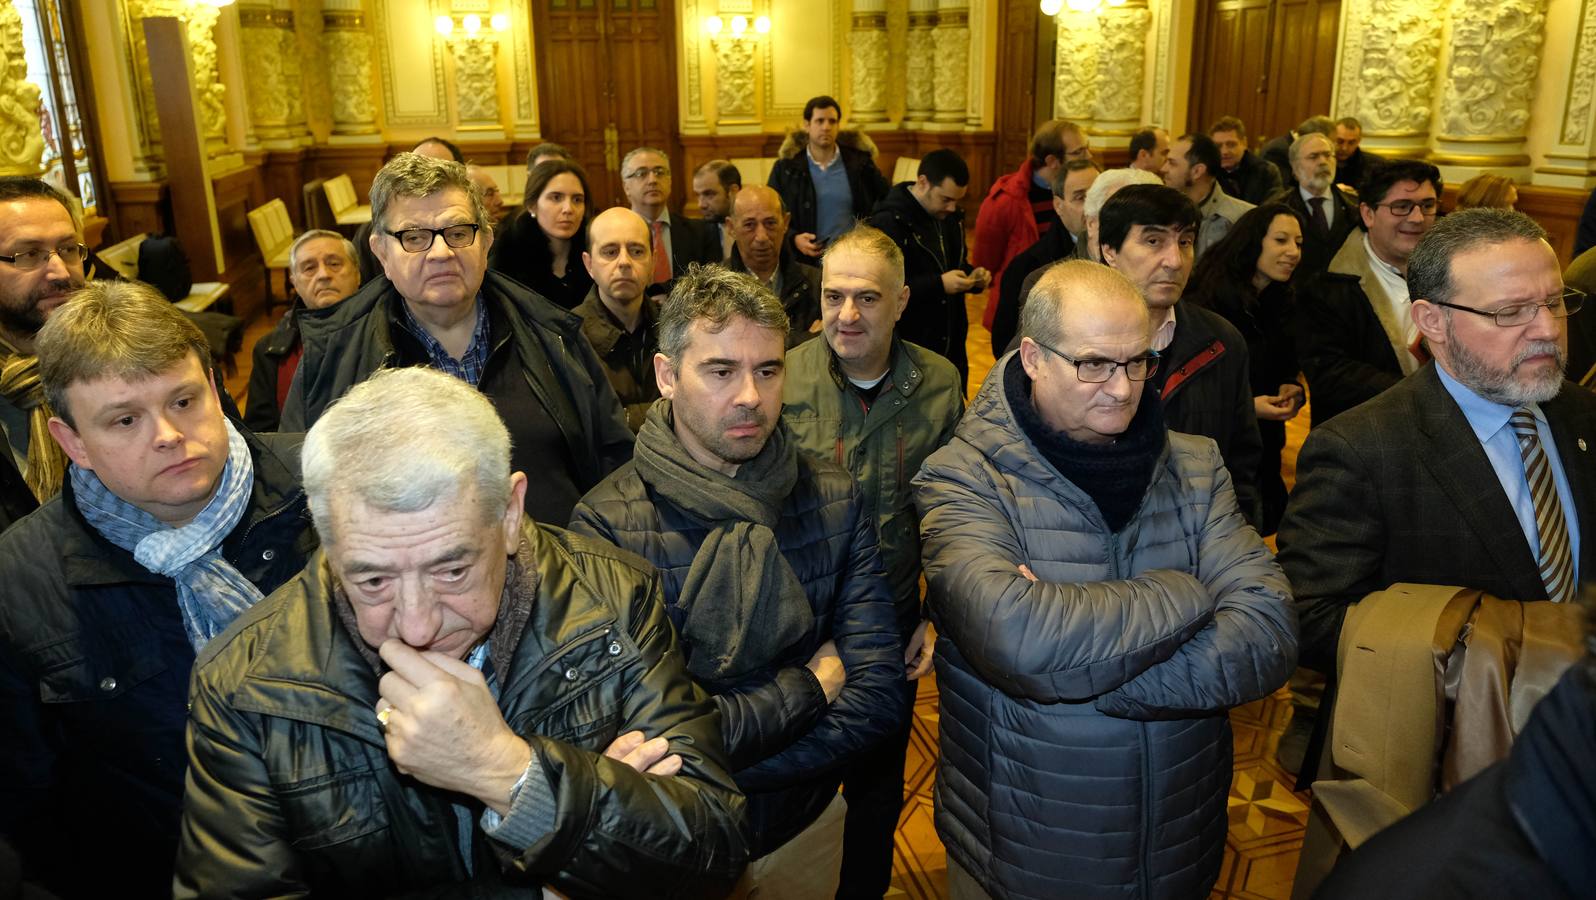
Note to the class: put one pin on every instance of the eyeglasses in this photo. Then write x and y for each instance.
(1404, 208)
(1097, 371)
(658, 171)
(1561, 307)
(419, 240)
(71, 254)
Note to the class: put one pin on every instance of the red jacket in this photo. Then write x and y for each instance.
(1004, 226)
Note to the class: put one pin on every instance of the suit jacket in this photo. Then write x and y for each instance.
(1318, 245)
(1581, 274)
(1400, 489)
(691, 241)
(1345, 349)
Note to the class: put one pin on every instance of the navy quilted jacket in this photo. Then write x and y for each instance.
(1085, 744)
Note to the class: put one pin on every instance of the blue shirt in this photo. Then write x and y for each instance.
(833, 198)
(1490, 423)
(469, 366)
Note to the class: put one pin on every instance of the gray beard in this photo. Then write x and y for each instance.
(1498, 385)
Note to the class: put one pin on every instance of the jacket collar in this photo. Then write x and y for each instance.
(848, 139)
(904, 371)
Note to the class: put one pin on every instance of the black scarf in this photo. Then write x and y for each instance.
(1115, 475)
(743, 602)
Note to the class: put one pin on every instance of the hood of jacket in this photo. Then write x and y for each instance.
(1017, 183)
(797, 141)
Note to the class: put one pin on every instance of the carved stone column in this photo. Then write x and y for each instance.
(1075, 67)
(274, 80)
(476, 82)
(1386, 73)
(952, 81)
(735, 103)
(867, 45)
(1488, 85)
(346, 48)
(199, 20)
(1121, 61)
(1571, 161)
(21, 141)
(920, 64)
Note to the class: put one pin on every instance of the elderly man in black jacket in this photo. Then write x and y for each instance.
(924, 219)
(171, 522)
(825, 198)
(499, 702)
(1147, 232)
(758, 224)
(438, 306)
(771, 570)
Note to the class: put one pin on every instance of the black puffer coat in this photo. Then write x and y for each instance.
(94, 671)
(787, 748)
(291, 790)
(1085, 743)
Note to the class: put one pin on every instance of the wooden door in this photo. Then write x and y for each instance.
(606, 84)
(1018, 63)
(1269, 62)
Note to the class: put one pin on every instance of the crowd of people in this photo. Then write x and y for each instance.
(601, 552)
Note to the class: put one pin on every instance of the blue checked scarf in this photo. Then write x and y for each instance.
(210, 592)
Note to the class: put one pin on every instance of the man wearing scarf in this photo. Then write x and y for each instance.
(41, 264)
(170, 522)
(1101, 604)
(771, 575)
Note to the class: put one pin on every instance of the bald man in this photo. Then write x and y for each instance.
(1101, 605)
(758, 224)
(491, 198)
(619, 321)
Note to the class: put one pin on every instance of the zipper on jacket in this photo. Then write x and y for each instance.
(1144, 862)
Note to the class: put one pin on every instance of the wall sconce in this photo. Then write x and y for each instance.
(470, 25)
(738, 25)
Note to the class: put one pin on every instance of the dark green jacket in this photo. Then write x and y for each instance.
(914, 414)
(291, 789)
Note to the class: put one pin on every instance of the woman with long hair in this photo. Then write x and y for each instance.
(542, 246)
(1246, 278)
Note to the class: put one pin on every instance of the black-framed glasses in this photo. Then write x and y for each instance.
(1096, 370)
(24, 260)
(1404, 208)
(419, 240)
(1562, 306)
(643, 172)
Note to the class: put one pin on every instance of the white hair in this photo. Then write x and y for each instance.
(1109, 183)
(402, 440)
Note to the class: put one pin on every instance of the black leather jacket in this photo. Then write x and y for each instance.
(292, 790)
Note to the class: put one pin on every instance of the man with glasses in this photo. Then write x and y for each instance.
(41, 264)
(1330, 215)
(1356, 335)
(678, 241)
(438, 306)
(1101, 605)
(1476, 471)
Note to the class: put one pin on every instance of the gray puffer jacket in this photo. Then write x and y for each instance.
(1085, 744)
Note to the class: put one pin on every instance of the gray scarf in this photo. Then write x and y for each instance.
(744, 605)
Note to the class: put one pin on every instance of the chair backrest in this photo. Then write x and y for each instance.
(340, 193)
(318, 212)
(754, 169)
(271, 227)
(123, 256)
(905, 169)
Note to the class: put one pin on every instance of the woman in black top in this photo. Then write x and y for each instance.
(1246, 278)
(542, 246)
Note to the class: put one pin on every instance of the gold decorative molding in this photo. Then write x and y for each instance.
(21, 141)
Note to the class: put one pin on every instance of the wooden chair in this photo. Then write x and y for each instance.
(754, 169)
(346, 207)
(905, 169)
(274, 234)
(318, 213)
(123, 256)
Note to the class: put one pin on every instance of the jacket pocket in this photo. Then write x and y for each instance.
(105, 675)
(333, 809)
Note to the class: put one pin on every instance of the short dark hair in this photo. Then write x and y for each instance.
(941, 164)
(1049, 140)
(1315, 125)
(1147, 205)
(1203, 150)
(447, 145)
(1144, 139)
(1350, 122)
(547, 148)
(1229, 123)
(1380, 179)
(1064, 172)
(821, 102)
(20, 188)
(724, 170)
(1430, 265)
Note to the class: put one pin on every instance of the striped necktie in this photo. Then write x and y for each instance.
(1556, 559)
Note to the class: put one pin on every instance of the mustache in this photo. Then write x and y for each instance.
(1540, 348)
(742, 417)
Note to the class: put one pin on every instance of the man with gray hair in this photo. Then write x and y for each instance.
(1329, 215)
(499, 702)
(678, 241)
(1278, 149)
(771, 575)
(1473, 471)
(439, 306)
(1101, 605)
(324, 270)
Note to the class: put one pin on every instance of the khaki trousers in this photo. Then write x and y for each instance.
(808, 867)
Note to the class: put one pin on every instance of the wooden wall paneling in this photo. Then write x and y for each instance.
(1017, 101)
(236, 193)
(281, 174)
(359, 161)
(1228, 63)
(182, 145)
(140, 207)
(1556, 209)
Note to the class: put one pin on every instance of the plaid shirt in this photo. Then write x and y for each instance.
(467, 368)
